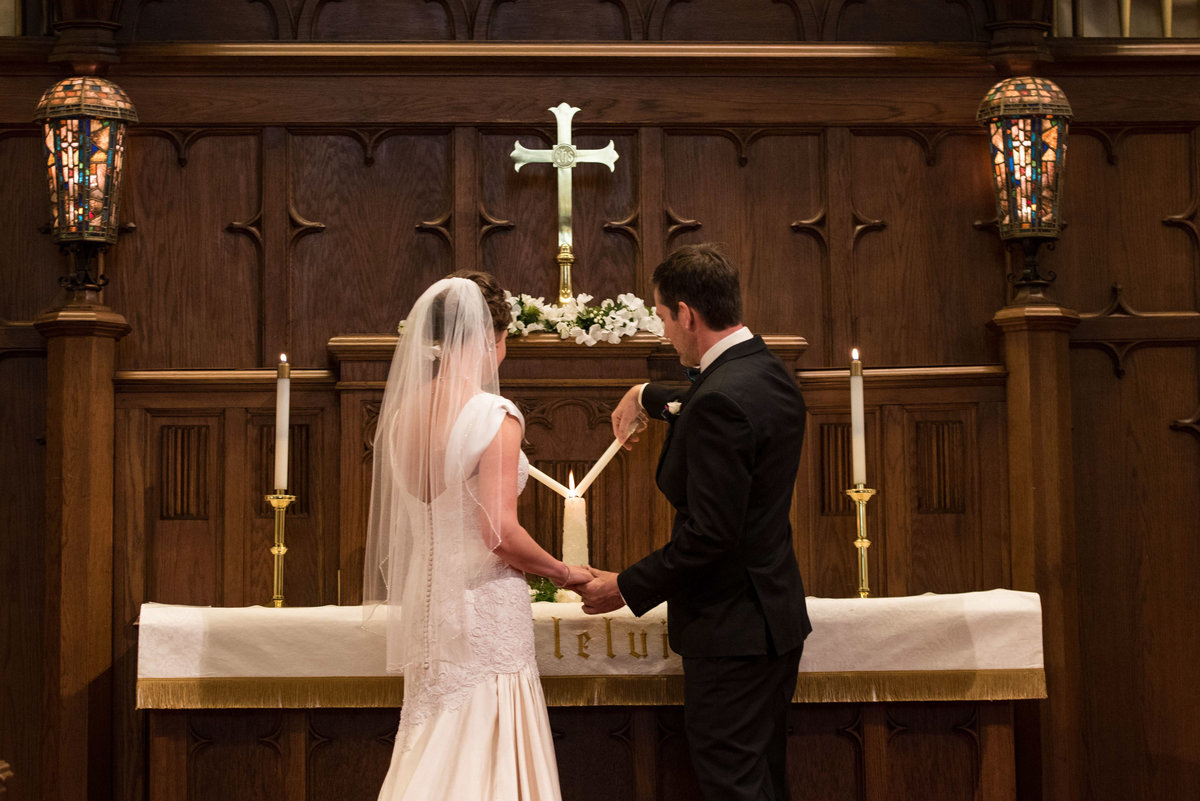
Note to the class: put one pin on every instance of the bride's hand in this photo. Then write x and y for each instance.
(577, 576)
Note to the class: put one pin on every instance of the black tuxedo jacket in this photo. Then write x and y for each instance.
(728, 467)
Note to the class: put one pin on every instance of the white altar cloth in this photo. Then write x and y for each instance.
(967, 646)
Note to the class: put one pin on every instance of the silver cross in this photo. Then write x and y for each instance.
(564, 157)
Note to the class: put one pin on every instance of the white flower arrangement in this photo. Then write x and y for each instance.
(607, 322)
(673, 408)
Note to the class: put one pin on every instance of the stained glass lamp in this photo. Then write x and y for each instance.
(84, 120)
(1027, 122)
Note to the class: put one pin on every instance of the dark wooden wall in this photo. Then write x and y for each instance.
(302, 170)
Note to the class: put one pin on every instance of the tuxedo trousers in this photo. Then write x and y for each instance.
(735, 716)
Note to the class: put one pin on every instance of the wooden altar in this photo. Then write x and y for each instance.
(911, 693)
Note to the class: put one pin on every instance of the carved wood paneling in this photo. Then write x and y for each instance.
(1115, 223)
(942, 472)
(371, 248)
(550, 20)
(755, 20)
(532, 20)
(22, 570)
(941, 541)
(939, 20)
(246, 749)
(221, 20)
(190, 288)
(595, 750)
(384, 20)
(348, 755)
(183, 472)
(778, 176)
(603, 754)
(933, 752)
(185, 547)
(836, 469)
(825, 752)
(29, 258)
(940, 290)
(1136, 510)
(1119, 330)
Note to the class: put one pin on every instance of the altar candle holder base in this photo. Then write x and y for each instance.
(279, 502)
(565, 258)
(860, 495)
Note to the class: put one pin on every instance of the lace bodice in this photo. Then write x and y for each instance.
(500, 637)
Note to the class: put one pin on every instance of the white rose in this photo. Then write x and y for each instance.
(673, 407)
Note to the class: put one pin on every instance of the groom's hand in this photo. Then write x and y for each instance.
(629, 419)
(601, 594)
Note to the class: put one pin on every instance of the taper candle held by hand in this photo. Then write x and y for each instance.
(637, 425)
(538, 475)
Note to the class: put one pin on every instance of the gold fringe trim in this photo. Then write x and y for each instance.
(298, 692)
(271, 692)
(921, 685)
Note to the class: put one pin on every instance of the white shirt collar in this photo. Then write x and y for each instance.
(725, 343)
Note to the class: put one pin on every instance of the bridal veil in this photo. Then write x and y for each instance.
(432, 522)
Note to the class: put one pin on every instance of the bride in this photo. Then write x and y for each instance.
(446, 554)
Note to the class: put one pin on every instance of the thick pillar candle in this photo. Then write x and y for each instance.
(858, 439)
(575, 536)
(283, 391)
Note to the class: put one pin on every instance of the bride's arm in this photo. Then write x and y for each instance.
(498, 474)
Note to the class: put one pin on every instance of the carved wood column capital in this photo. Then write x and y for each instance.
(1036, 318)
(89, 46)
(82, 315)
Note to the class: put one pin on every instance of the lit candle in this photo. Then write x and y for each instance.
(283, 391)
(858, 439)
(575, 544)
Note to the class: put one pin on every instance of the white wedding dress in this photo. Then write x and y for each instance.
(477, 730)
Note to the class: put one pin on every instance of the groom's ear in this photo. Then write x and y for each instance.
(686, 317)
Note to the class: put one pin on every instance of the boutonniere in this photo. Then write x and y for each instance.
(673, 408)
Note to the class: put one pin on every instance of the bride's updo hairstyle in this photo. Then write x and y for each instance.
(492, 294)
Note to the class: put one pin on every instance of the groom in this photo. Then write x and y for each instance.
(735, 601)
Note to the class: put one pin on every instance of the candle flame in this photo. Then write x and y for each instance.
(283, 357)
(854, 354)
(571, 482)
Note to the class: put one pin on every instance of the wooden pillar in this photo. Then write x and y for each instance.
(1042, 523)
(80, 358)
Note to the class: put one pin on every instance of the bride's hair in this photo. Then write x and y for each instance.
(492, 293)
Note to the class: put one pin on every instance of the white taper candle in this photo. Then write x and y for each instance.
(283, 391)
(858, 439)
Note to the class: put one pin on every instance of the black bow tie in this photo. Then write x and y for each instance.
(692, 373)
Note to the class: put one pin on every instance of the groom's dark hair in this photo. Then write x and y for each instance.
(702, 277)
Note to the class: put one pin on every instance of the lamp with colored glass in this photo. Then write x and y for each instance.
(83, 120)
(1027, 124)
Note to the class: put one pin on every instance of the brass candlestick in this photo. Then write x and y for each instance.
(279, 502)
(565, 258)
(860, 495)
